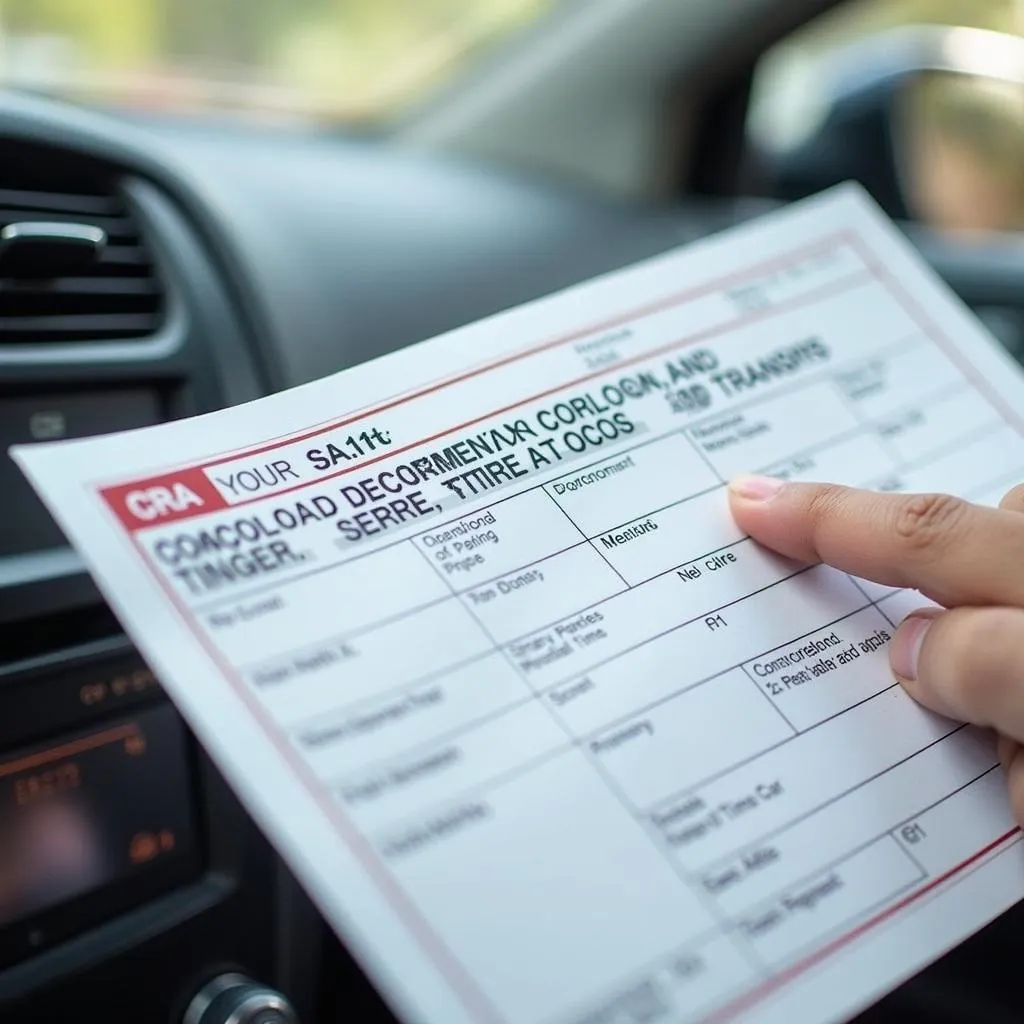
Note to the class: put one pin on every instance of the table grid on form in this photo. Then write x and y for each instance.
(540, 655)
(757, 885)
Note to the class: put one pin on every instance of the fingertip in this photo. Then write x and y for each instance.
(788, 516)
(750, 501)
(771, 512)
(905, 649)
(906, 656)
(755, 489)
(1013, 500)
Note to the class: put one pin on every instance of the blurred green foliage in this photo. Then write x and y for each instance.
(338, 57)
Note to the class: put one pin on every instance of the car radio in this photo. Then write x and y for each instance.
(93, 821)
(98, 808)
(130, 877)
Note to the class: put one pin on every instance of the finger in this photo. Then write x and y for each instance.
(966, 664)
(1015, 780)
(952, 551)
(1013, 500)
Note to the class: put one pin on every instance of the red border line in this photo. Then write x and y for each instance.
(462, 983)
(669, 302)
(936, 333)
(757, 995)
(657, 306)
(454, 972)
(829, 290)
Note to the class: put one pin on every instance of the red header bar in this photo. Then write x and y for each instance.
(163, 499)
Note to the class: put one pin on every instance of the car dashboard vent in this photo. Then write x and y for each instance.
(74, 266)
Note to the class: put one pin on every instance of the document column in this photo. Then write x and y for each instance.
(541, 863)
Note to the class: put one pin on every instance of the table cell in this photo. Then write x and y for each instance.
(546, 592)
(642, 625)
(838, 265)
(339, 600)
(970, 467)
(324, 678)
(498, 539)
(876, 591)
(382, 728)
(900, 603)
(668, 539)
(699, 733)
(851, 461)
(890, 383)
(764, 432)
(960, 827)
(827, 672)
(880, 805)
(534, 871)
(404, 786)
(916, 431)
(822, 905)
(616, 689)
(608, 494)
(713, 821)
(235, 554)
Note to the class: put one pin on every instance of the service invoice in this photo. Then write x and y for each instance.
(472, 634)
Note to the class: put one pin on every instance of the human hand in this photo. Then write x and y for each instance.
(964, 660)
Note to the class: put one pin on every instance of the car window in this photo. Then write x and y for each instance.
(959, 138)
(340, 60)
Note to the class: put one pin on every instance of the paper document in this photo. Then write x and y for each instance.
(472, 634)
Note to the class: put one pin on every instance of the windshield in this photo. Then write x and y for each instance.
(349, 60)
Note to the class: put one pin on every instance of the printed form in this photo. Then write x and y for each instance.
(471, 632)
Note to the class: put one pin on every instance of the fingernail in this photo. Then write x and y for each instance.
(906, 644)
(756, 488)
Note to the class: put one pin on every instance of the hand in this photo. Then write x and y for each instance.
(964, 660)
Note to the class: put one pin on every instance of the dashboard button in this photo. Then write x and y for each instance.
(236, 999)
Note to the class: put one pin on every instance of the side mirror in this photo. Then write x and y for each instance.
(930, 120)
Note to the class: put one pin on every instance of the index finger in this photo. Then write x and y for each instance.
(952, 551)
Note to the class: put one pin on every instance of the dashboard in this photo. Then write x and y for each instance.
(184, 267)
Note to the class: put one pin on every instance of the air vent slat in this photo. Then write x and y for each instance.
(118, 296)
(19, 330)
(125, 255)
(116, 227)
(93, 206)
(79, 286)
(78, 296)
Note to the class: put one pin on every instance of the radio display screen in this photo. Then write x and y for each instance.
(105, 812)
